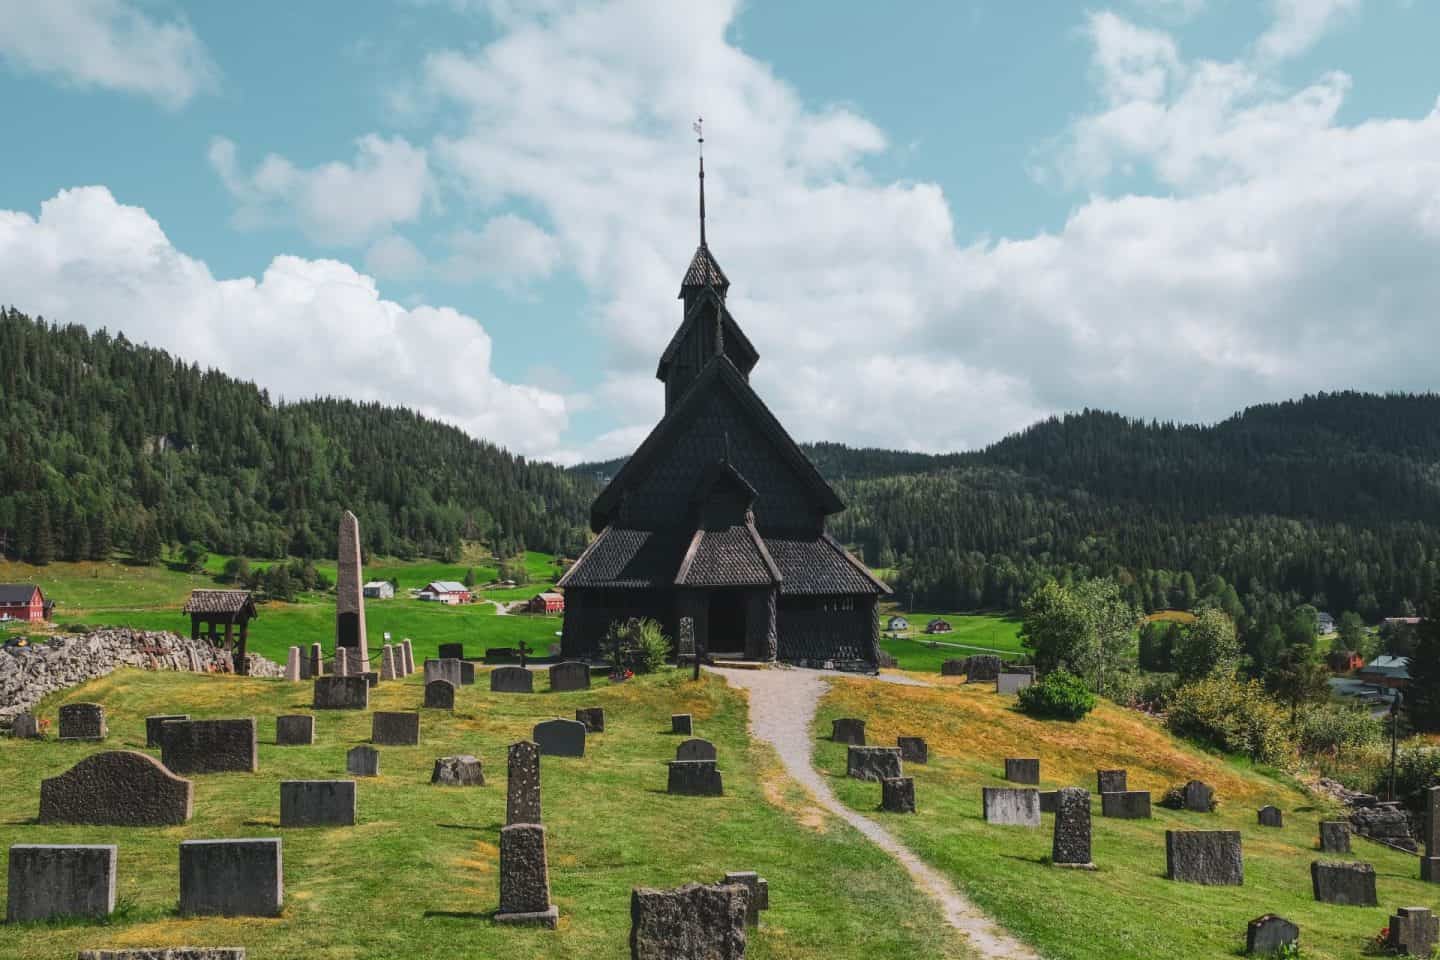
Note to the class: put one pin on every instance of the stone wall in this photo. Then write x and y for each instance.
(28, 674)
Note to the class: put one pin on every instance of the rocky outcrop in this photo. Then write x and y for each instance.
(28, 674)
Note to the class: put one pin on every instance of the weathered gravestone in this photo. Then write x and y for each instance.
(82, 721)
(467, 673)
(1129, 805)
(984, 668)
(394, 729)
(1010, 806)
(1210, 857)
(525, 877)
(362, 761)
(292, 665)
(913, 749)
(443, 670)
(1430, 832)
(696, 749)
(560, 737)
(409, 649)
(759, 889)
(452, 651)
(1022, 769)
(210, 746)
(570, 675)
(953, 668)
(1413, 931)
(122, 788)
(681, 723)
(1111, 781)
(1334, 836)
(897, 794)
(872, 763)
(1268, 934)
(1070, 846)
(25, 727)
(165, 953)
(388, 669)
(1010, 683)
(511, 680)
(464, 770)
(695, 778)
(1048, 800)
(305, 673)
(692, 922)
(341, 693)
(317, 661)
(1345, 882)
(295, 730)
(1270, 817)
(155, 726)
(848, 730)
(1199, 797)
(317, 803)
(522, 786)
(592, 717)
(372, 678)
(231, 878)
(54, 880)
(440, 695)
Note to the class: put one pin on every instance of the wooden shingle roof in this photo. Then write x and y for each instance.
(221, 602)
(704, 272)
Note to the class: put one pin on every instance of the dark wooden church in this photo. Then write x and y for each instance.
(719, 517)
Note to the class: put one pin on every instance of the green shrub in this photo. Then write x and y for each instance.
(637, 644)
(1232, 716)
(1174, 799)
(1059, 695)
(1416, 769)
(1328, 728)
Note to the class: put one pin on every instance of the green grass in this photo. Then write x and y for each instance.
(418, 876)
(972, 633)
(1125, 909)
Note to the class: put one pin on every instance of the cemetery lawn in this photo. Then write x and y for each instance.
(1126, 908)
(419, 875)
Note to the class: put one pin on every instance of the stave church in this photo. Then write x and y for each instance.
(715, 526)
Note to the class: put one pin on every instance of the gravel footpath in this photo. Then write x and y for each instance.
(782, 710)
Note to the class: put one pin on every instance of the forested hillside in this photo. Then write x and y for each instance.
(111, 445)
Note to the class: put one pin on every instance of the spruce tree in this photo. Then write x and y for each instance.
(1422, 696)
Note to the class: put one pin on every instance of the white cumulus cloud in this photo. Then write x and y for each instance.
(508, 249)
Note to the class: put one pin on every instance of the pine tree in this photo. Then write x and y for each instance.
(40, 546)
(1422, 696)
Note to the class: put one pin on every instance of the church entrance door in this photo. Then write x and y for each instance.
(727, 623)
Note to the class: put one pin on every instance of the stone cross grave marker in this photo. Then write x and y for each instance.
(1414, 931)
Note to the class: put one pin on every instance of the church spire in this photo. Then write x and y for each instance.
(703, 272)
(700, 139)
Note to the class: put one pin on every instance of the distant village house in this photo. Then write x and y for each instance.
(547, 603)
(445, 591)
(1386, 671)
(897, 624)
(23, 601)
(938, 626)
(379, 590)
(1325, 623)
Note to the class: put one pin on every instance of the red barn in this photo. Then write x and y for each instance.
(547, 603)
(22, 601)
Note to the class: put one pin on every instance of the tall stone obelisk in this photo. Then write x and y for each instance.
(350, 596)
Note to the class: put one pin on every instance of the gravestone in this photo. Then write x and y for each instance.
(897, 794)
(680, 723)
(295, 730)
(1334, 836)
(848, 730)
(60, 880)
(1210, 857)
(350, 596)
(452, 651)
(1430, 834)
(154, 726)
(343, 666)
(695, 778)
(1010, 683)
(872, 763)
(372, 678)
(953, 668)
(304, 665)
(570, 675)
(525, 877)
(984, 668)
(511, 680)
(341, 693)
(387, 663)
(231, 878)
(317, 803)
(1010, 806)
(362, 761)
(443, 670)
(25, 727)
(1266, 935)
(1048, 800)
(692, 922)
(1346, 882)
(464, 770)
(317, 661)
(1070, 846)
(409, 649)
(1413, 931)
(210, 746)
(560, 738)
(913, 749)
(394, 729)
(440, 695)
(696, 749)
(467, 673)
(592, 717)
(82, 721)
(123, 788)
(165, 953)
(1022, 769)
(1111, 781)
(1270, 817)
(1199, 797)
(759, 889)
(292, 665)
(522, 786)
(1130, 805)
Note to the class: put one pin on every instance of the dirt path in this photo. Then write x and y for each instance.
(782, 709)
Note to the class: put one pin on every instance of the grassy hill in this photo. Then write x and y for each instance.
(1126, 908)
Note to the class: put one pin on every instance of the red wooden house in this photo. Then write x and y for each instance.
(22, 601)
(547, 603)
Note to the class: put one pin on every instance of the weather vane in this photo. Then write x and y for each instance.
(698, 127)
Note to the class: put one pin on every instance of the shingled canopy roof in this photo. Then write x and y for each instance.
(704, 272)
(221, 603)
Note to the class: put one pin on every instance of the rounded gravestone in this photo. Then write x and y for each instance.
(511, 680)
(570, 675)
(560, 738)
(440, 695)
(118, 788)
(695, 749)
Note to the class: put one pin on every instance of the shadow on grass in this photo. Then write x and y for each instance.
(479, 828)
(459, 914)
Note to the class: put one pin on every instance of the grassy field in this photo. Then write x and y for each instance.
(972, 633)
(418, 876)
(1125, 909)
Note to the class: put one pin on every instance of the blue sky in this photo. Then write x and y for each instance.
(942, 220)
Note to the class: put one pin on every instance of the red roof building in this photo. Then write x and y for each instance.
(547, 603)
(22, 601)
